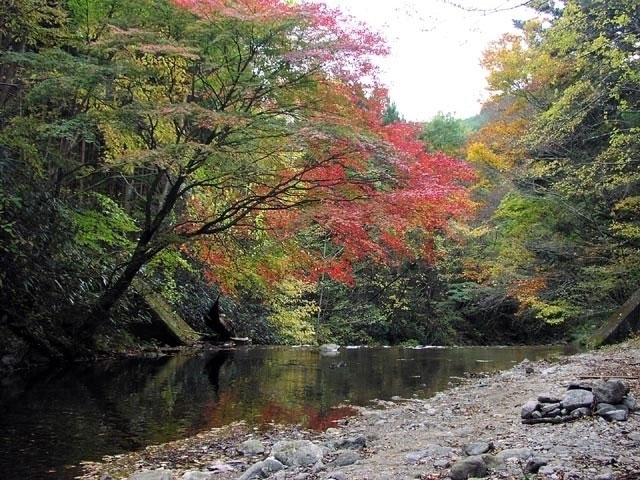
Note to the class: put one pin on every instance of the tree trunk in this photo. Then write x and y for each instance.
(100, 312)
(145, 250)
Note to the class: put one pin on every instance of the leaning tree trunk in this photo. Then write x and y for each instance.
(147, 248)
(100, 311)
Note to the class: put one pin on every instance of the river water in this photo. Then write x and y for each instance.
(52, 419)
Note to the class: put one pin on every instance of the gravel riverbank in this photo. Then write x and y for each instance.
(428, 439)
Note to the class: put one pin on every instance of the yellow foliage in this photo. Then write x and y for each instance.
(480, 153)
(292, 313)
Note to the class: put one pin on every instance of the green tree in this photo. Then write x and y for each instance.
(445, 133)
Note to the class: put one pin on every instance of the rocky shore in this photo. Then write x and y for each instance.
(472, 430)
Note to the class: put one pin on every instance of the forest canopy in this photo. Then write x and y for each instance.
(245, 150)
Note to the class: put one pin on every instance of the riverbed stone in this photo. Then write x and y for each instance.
(337, 475)
(611, 391)
(630, 402)
(577, 398)
(415, 457)
(534, 464)
(581, 412)
(549, 399)
(254, 472)
(549, 408)
(347, 457)
(318, 467)
(353, 443)
(604, 407)
(252, 447)
(477, 448)
(468, 468)
(160, 474)
(580, 386)
(434, 450)
(528, 409)
(493, 462)
(522, 454)
(198, 475)
(271, 465)
(615, 415)
(442, 463)
(294, 453)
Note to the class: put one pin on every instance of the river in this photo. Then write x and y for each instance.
(52, 419)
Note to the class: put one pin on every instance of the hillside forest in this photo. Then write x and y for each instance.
(245, 151)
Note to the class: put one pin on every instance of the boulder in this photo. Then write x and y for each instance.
(470, 467)
(477, 448)
(615, 415)
(347, 457)
(521, 454)
(353, 443)
(493, 462)
(630, 402)
(252, 447)
(611, 391)
(534, 464)
(271, 466)
(622, 406)
(604, 407)
(528, 409)
(297, 453)
(318, 467)
(581, 412)
(161, 474)
(576, 399)
(254, 472)
(415, 457)
(548, 399)
(548, 408)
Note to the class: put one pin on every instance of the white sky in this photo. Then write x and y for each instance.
(434, 64)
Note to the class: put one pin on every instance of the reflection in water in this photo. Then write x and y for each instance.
(214, 364)
(58, 417)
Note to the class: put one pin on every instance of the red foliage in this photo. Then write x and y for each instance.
(371, 187)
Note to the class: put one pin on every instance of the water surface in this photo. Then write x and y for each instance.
(52, 419)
